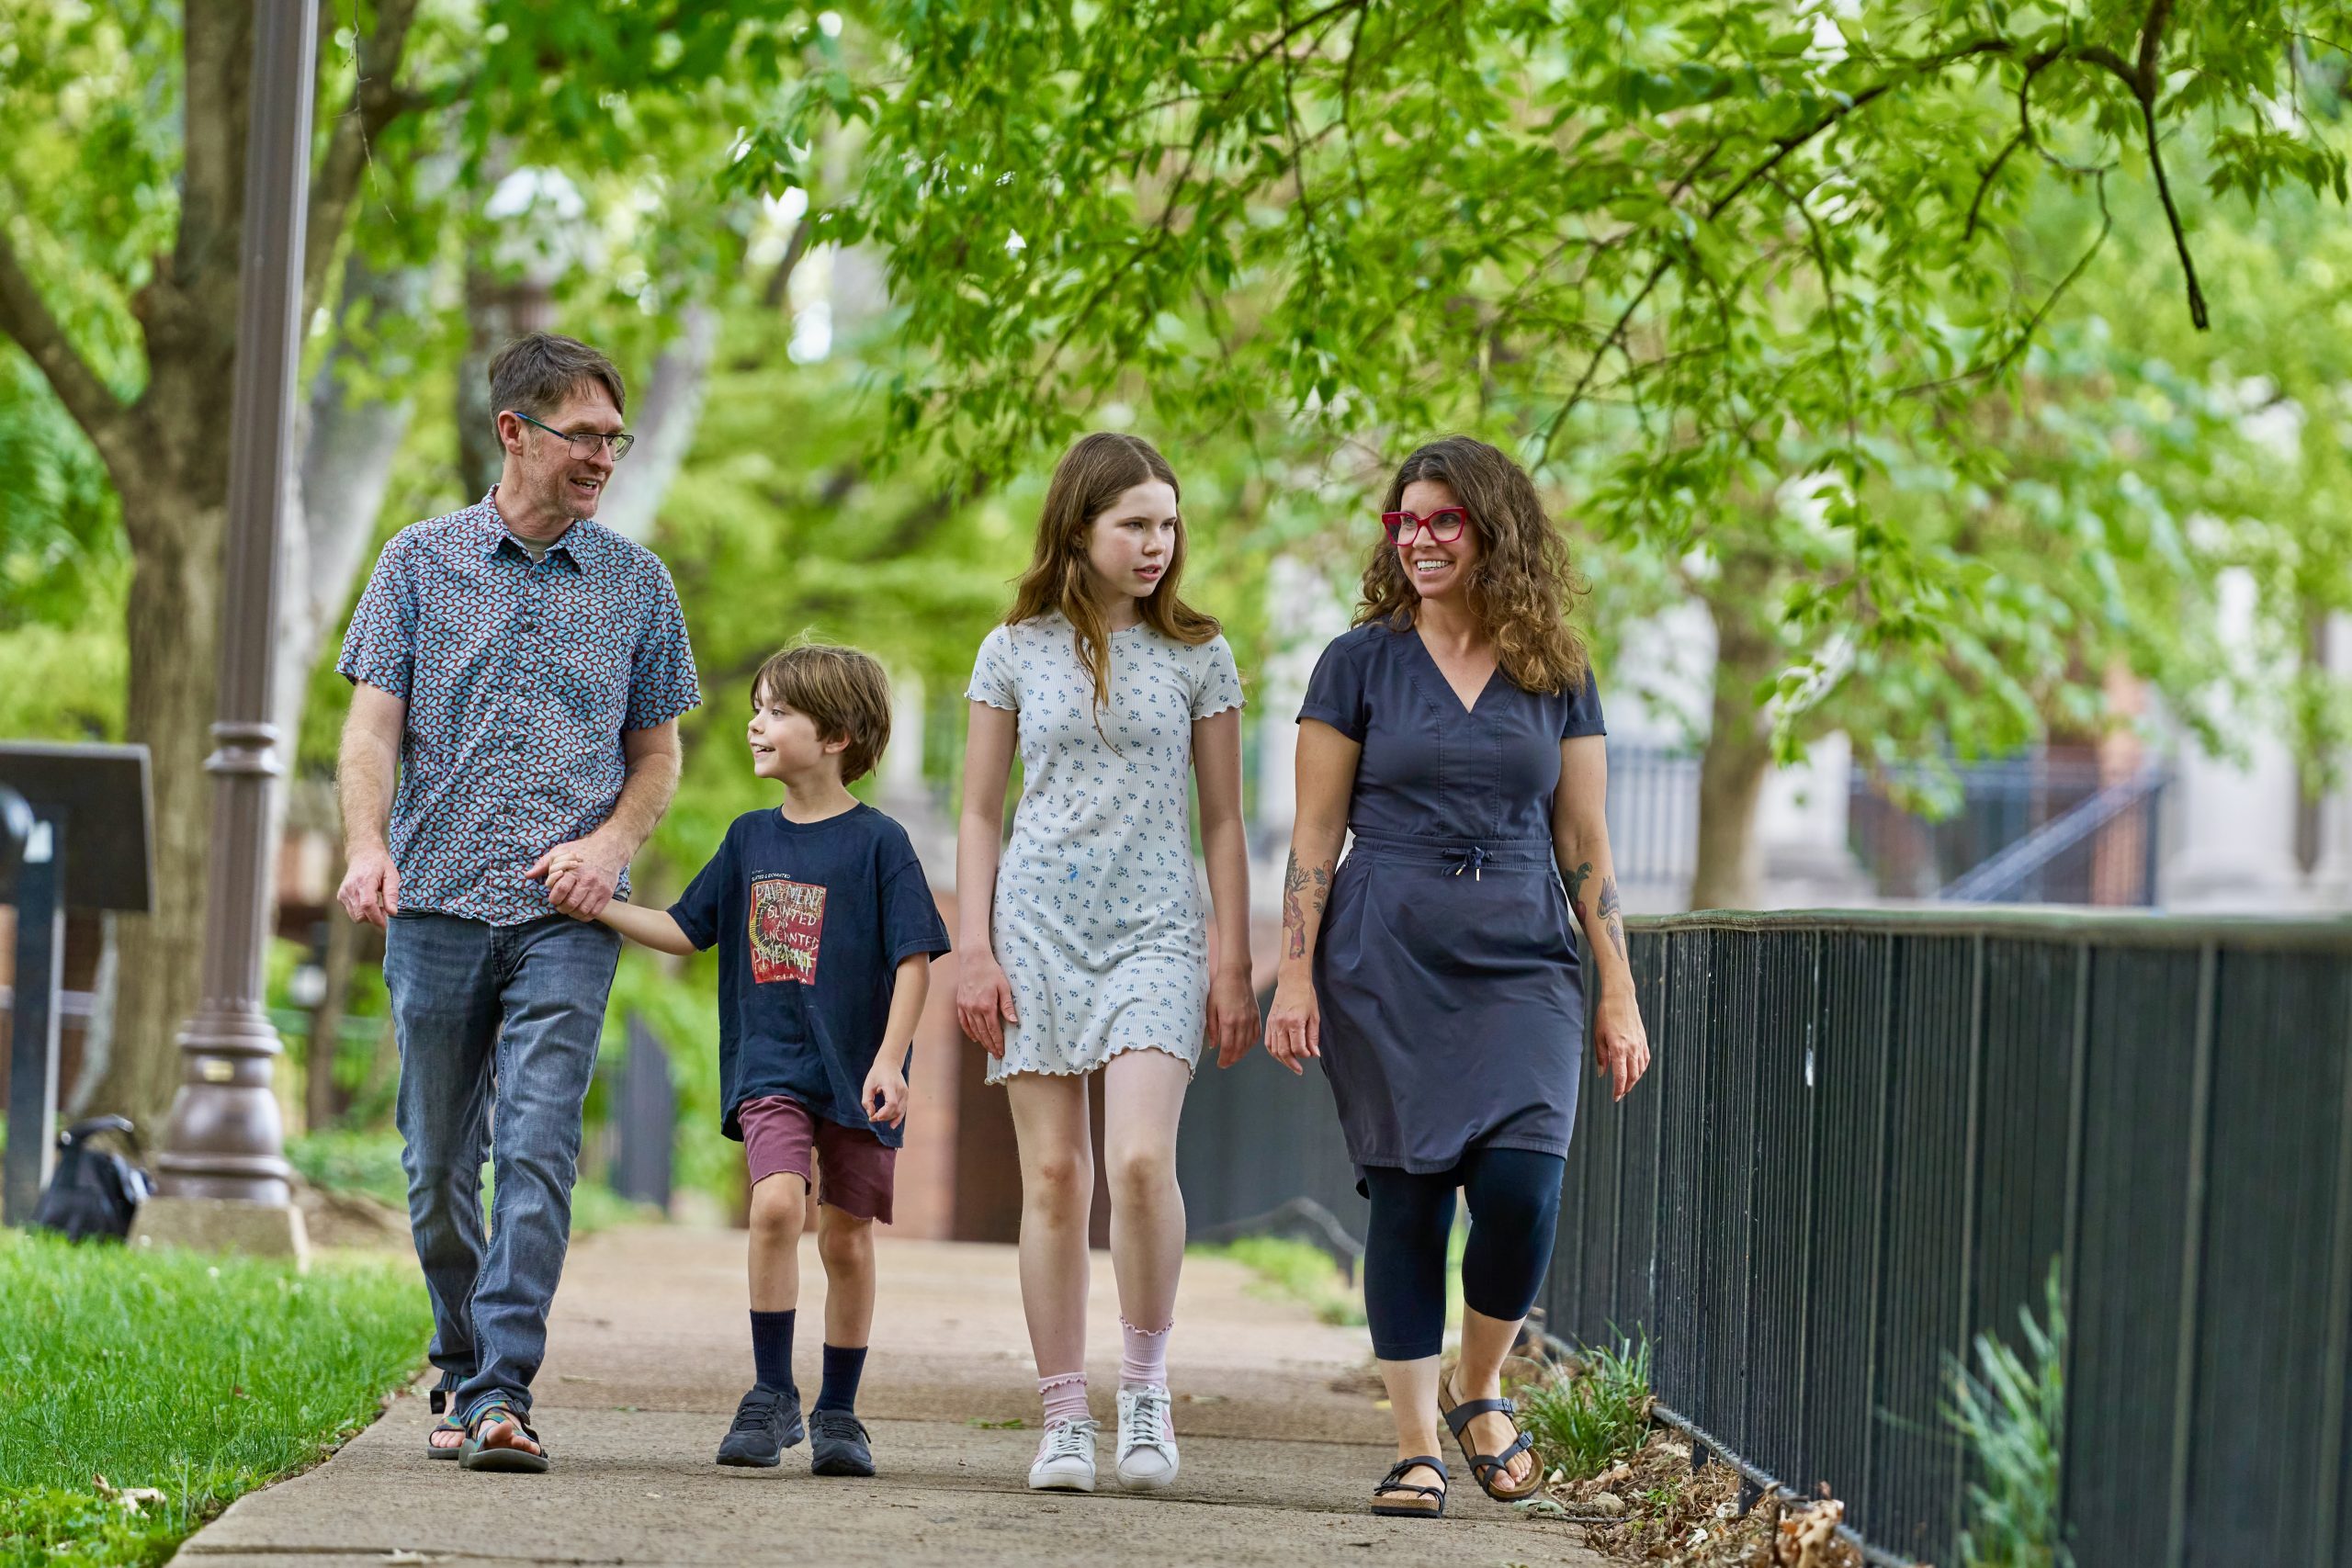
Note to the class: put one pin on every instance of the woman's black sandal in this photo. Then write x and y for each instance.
(474, 1454)
(1428, 1501)
(1485, 1468)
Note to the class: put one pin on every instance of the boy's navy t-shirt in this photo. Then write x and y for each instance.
(811, 920)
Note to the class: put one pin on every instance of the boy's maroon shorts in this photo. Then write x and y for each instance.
(778, 1133)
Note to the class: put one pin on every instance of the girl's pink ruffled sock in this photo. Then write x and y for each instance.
(1065, 1396)
(1145, 1358)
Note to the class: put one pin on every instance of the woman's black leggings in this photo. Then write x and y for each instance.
(1514, 1198)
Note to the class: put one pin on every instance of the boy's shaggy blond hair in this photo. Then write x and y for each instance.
(843, 692)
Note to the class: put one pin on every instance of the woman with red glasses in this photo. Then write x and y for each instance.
(1456, 732)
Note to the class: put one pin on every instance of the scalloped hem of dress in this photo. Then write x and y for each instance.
(1221, 707)
(1192, 1065)
(992, 703)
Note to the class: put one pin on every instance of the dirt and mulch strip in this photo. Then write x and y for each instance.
(1652, 1508)
(1630, 1484)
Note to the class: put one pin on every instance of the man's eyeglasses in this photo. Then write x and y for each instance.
(585, 442)
(1444, 525)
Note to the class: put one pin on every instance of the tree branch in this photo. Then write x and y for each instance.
(26, 318)
(376, 101)
(2032, 327)
(2197, 312)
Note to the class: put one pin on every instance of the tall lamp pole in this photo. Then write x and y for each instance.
(222, 1178)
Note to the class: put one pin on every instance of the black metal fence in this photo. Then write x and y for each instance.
(1865, 1141)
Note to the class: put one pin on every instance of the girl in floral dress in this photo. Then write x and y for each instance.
(1087, 953)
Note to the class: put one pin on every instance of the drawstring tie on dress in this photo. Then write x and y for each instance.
(1472, 859)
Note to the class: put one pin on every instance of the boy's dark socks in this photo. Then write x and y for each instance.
(844, 1366)
(771, 1349)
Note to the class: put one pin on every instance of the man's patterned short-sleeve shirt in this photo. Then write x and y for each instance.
(519, 677)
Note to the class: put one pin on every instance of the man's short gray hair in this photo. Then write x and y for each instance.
(535, 373)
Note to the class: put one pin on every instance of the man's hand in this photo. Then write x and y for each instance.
(579, 876)
(372, 887)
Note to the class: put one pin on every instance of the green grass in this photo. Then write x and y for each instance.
(343, 1160)
(1294, 1271)
(2012, 1418)
(1594, 1414)
(202, 1377)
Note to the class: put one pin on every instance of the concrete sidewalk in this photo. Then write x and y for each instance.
(649, 1349)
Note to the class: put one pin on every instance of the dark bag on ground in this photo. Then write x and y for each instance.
(93, 1191)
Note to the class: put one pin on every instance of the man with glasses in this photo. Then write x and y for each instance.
(519, 671)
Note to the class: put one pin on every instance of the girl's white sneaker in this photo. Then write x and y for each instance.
(1146, 1438)
(1065, 1459)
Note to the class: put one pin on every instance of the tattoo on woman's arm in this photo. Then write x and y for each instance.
(1611, 918)
(1316, 885)
(1577, 879)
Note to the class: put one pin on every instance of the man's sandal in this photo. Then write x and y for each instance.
(445, 1450)
(1488, 1468)
(447, 1423)
(1411, 1500)
(476, 1454)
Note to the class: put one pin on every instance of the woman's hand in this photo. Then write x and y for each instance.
(1294, 1027)
(1618, 1042)
(1233, 1015)
(984, 1000)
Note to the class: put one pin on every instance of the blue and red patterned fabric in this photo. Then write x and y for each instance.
(519, 677)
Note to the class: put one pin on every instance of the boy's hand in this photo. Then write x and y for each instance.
(886, 1095)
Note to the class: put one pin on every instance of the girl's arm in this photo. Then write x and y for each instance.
(651, 927)
(1581, 844)
(1233, 1001)
(1327, 783)
(983, 996)
(885, 1085)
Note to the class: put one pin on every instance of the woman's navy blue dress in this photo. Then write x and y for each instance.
(1446, 968)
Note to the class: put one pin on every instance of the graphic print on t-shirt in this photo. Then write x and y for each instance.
(787, 920)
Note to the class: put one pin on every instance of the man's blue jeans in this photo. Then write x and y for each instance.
(498, 1028)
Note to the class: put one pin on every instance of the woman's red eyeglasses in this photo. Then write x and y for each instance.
(1444, 525)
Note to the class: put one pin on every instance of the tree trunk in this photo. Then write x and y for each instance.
(168, 456)
(174, 626)
(349, 449)
(1728, 875)
(667, 410)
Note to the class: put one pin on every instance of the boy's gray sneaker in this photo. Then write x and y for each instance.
(837, 1444)
(767, 1422)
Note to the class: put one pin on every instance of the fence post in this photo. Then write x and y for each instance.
(1878, 1235)
(2337, 1367)
(2069, 1223)
(2192, 1256)
(1973, 1175)
(33, 1018)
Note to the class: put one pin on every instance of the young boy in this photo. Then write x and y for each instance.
(826, 930)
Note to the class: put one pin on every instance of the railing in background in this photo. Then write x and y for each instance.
(1654, 815)
(1258, 1143)
(1866, 1136)
(1908, 855)
(2101, 851)
(644, 1120)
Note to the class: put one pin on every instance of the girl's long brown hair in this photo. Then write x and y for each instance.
(1523, 585)
(1091, 475)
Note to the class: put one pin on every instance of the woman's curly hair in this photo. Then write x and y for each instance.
(1523, 584)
